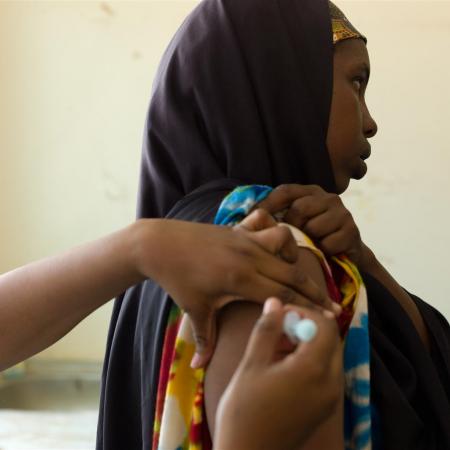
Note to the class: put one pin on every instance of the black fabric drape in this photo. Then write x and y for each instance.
(243, 92)
(242, 96)
(132, 362)
(410, 386)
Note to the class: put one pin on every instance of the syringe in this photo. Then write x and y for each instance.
(298, 329)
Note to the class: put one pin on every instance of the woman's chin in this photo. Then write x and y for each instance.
(342, 185)
(362, 170)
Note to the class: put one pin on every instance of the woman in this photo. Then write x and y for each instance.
(245, 95)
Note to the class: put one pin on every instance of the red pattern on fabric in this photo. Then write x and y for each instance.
(164, 372)
(199, 432)
(333, 280)
(339, 278)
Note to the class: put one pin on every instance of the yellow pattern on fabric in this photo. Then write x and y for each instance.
(185, 384)
(184, 391)
(182, 407)
(349, 288)
(341, 26)
(341, 32)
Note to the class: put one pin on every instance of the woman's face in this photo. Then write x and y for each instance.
(350, 125)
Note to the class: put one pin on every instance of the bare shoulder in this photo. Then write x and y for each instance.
(235, 323)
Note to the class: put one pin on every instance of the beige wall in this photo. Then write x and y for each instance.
(402, 206)
(75, 81)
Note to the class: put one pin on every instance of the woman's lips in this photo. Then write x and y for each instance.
(366, 154)
(362, 166)
(363, 170)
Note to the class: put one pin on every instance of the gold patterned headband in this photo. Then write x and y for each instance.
(341, 26)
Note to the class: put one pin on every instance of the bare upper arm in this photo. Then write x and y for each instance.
(235, 323)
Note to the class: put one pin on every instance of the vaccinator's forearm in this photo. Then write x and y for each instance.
(42, 301)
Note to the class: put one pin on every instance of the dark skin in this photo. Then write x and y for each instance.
(322, 215)
(350, 123)
(292, 384)
(42, 301)
(325, 219)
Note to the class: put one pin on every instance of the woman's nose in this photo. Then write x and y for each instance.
(370, 126)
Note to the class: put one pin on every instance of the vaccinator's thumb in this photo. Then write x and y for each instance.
(204, 330)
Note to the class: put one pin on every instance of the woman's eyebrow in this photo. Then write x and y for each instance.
(360, 67)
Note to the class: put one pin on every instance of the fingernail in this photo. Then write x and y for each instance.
(196, 361)
(271, 304)
(328, 314)
(337, 308)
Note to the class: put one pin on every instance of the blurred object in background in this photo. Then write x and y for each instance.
(74, 87)
(49, 405)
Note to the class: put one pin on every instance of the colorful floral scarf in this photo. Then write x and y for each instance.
(180, 423)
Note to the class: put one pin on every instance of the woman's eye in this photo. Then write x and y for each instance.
(358, 83)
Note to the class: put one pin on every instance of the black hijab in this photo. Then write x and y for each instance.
(243, 92)
(242, 96)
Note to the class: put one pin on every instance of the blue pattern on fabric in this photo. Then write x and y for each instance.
(357, 408)
(238, 203)
(357, 411)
